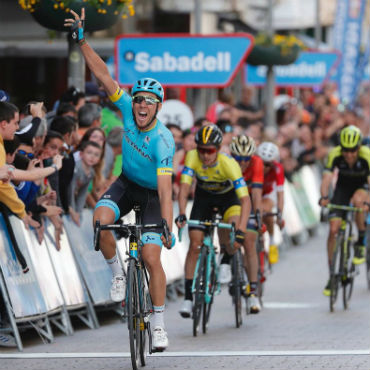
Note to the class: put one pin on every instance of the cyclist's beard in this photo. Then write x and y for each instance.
(142, 128)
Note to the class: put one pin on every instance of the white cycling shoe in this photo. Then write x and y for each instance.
(159, 338)
(118, 288)
(225, 273)
(253, 304)
(186, 309)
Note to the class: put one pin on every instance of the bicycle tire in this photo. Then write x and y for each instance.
(348, 285)
(211, 289)
(368, 256)
(133, 313)
(261, 273)
(237, 287)
(199, 290)
(143, 325)
(335, 272)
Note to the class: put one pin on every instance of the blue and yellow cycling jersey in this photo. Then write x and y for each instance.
(145, 154)
(220, 178)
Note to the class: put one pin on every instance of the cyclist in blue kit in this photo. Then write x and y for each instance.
(147, 152)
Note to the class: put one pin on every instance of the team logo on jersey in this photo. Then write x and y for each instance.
(166, 161)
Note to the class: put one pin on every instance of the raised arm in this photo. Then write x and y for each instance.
(93, 60)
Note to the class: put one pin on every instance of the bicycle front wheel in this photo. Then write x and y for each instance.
(335, 269)
(368, 256)
(199, 292)
(133, 313)
(145, 307)
(236, 287)
(211, 291)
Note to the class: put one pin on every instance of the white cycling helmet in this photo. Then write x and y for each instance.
(242, 145)
(268, 151)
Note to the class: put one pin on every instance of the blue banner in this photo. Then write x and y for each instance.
(310, 69)
(348, 29)
(181, 60)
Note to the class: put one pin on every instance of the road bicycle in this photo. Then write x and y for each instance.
(138, 306)
(237, 284)
(342, 270)
(205, 282)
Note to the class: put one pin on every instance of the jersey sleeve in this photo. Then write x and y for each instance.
(188, 171)
(164, 154)
(234, 173)
(280, 177)
(257, 176)
(330, 161)
(122, 101)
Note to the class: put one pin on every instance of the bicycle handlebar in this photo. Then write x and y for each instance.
(221, 225)
(343, 208)
(128, 229)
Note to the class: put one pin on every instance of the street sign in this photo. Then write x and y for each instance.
(181, 59)
(310, 69)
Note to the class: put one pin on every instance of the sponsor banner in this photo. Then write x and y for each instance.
(181, 60)
(96, 272)
(24, 291)
(310, 69)
(65, 268)
(349, 24)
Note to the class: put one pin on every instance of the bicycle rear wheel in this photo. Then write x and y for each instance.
(133, 311)
(335, 271)
(200, 282)
(211, 290)
(237, 287)
(262, 264)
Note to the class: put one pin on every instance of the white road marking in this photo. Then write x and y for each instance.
(289, 305)
(345, 352)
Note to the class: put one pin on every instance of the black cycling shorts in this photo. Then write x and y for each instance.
(124, 194)
(205, 202)
(342, 196)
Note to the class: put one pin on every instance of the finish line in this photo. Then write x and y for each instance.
(66, 355)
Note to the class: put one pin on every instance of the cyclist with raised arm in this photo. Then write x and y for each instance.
(272, 192)
(147, 152)
(352, 162)
(242, 149)
(219, 184)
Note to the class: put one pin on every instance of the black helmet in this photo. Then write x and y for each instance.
(209, 135)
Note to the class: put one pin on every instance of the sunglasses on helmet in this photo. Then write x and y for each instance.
(26, 154)
(207, 150)
(350, 150)
(138, 99)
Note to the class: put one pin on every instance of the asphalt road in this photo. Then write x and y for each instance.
(295, 330)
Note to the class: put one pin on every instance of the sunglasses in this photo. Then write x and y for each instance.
(241, 158)
(349, 150)
(138, 99)
(267, 164)
(26, 154)
(207, 150)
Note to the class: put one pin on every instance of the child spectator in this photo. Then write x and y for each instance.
(83, 174)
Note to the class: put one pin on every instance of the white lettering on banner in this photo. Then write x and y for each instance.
(304, 69)
(221, 62)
